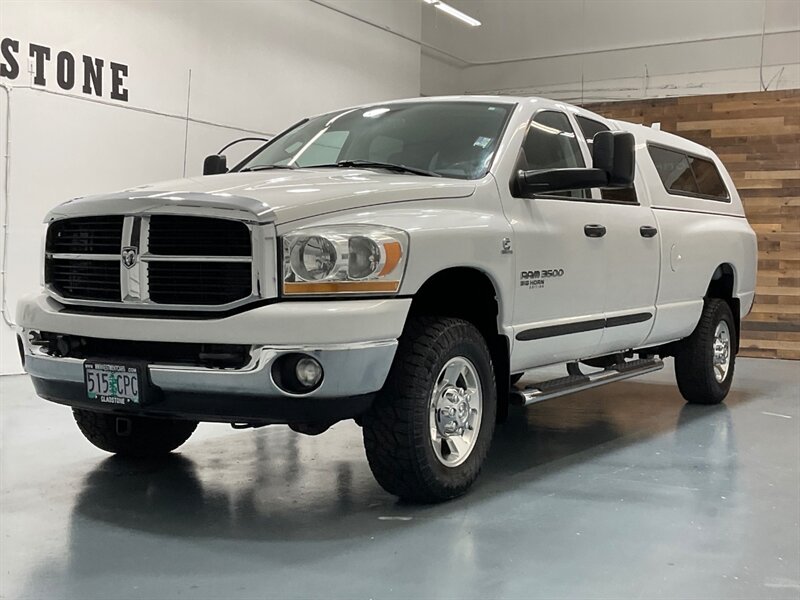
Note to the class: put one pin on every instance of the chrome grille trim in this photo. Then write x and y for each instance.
(74, 256)
(134, 281)
(202, 259)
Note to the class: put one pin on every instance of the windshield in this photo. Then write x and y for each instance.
(450, 139)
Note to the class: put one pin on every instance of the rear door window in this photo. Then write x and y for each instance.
(589, 128)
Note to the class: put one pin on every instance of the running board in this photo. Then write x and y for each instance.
(575, 383)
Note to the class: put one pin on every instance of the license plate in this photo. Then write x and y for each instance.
(112, 383)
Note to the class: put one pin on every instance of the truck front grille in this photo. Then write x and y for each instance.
(84, 279)
(198, 236)
(199, 283)
(174, 261)
(86, 235)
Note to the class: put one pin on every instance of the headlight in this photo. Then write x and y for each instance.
(349, 259)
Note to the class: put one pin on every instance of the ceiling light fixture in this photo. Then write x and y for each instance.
(454, 12)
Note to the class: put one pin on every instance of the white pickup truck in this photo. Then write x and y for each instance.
(401, 264)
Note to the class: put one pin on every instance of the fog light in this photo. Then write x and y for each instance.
(308, 372)
(297, 373)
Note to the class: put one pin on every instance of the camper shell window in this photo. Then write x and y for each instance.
(685, 174)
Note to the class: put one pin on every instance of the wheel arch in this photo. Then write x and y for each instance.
(479, 306)
(722, 285)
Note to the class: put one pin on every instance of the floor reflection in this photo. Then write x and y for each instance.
(626, 485)
(293, 487)
(267, 492)
(272, 485)
(591, 423)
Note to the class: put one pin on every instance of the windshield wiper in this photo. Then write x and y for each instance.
(347, 164)
(265, 168)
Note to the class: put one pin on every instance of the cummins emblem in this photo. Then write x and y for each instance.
(129, 256)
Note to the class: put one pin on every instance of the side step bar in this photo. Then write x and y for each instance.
(577, 382)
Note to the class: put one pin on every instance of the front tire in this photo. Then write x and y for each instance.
(140, 437)
(429, 430)
(705, 361)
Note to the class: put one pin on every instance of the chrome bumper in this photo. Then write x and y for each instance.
(354, 341)
(349, 370)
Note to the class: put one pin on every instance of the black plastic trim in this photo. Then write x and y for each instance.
(587, 200)
(648, 231)
(557, 330)
(628, 319)
(220, 408)
(698, 211)
(538, 333)
(594, 230)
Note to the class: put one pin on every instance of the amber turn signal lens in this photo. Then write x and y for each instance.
(335, 287)
(394, 251)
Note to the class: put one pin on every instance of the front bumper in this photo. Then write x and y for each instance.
(354, 341)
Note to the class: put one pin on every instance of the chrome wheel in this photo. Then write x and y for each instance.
(722, 351)
(456, 409)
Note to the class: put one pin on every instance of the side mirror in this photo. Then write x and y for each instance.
(613, 167)
(215, 164)
(613, 152)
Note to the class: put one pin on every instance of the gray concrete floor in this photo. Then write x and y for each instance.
(617, 492)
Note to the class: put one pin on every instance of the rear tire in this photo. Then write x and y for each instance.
(429, 429)
(141, 437)
(704, 362)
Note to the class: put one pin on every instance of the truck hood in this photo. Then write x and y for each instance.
(276, 196)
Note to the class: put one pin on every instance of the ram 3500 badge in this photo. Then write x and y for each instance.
(449, 245)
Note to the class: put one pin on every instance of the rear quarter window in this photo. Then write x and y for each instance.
(688, 175)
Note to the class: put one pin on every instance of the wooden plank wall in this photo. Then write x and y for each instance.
(757, 136)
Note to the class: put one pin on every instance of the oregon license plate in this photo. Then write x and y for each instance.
(112, 383)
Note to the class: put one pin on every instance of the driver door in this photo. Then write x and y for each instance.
(559, 254)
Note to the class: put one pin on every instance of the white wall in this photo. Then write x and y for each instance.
(256, 67)
(621, 49)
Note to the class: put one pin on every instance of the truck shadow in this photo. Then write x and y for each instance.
(294, 488)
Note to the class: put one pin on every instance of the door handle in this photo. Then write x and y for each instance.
(594, 231)
(646, 231)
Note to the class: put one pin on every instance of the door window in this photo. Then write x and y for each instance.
(589, 128)
(550, 143)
